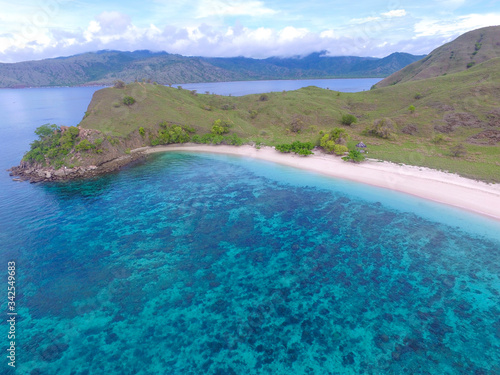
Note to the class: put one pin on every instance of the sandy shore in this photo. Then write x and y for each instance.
(426, 183)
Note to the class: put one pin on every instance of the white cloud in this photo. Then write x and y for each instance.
(208, 8)
(395, 13)
(452, 27)
(364, 20)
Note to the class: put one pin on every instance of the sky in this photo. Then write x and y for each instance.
(38, 29)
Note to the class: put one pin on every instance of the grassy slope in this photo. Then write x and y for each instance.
(475, 91)
(474, 47)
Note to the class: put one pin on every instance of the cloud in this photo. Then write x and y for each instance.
(454, 26)
(395, 13)
(111, 23)
(208, 8)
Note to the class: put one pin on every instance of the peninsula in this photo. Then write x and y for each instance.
(449, 122)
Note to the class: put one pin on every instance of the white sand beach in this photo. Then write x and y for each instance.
(426, 183)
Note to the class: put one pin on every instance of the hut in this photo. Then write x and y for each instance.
(361, 147)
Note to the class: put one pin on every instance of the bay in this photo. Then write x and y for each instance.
(199, 263)
(241, 88)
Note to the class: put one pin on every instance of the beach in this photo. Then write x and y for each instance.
(442, 187)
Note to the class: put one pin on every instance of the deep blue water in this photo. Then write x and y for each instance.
(210, 264)
(256, 87)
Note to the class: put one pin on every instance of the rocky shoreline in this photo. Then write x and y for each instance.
(27, 172)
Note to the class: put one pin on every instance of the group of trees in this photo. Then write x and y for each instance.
(54, 144)
(335, 141)
(173, 133)
(301, 148)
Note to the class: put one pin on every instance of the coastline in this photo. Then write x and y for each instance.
(426, 183)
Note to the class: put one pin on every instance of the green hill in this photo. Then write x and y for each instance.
(105, 67)
(467, 50)
(460, 108)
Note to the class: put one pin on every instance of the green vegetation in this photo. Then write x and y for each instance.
(348, 119)
(301, 148)
(458, 150)
(459, 106)
(354, 156)
(481, 44)
(335, 141)
(382, 128)
(216, 139)
(171, 134)
(52, 146)
(128, 100)
(142, 132)
(220, 127)
(411, 108)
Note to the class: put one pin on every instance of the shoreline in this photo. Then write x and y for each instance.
(442, 187)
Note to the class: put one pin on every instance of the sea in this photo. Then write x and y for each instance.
(196, 263)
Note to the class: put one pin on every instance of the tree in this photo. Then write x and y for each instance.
(220, 127)
(46, 130)
(411, 108)
(128, 100)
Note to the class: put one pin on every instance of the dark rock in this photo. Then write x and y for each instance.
(53, 352)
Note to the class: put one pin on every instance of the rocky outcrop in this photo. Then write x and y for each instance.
(34, 173)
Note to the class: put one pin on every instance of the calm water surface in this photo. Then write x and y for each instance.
(212, 264)
(255, 87)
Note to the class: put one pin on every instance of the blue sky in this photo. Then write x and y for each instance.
(36, 29)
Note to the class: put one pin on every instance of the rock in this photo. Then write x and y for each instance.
(48, 175)
(60, 173)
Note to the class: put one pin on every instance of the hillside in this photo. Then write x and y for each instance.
(105, 67)
(467, 50)
(460, 108)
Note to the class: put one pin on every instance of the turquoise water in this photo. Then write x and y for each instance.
(211, 264)
(199, 264)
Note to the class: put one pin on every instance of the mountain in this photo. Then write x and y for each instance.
(467, 50)
(105, 67)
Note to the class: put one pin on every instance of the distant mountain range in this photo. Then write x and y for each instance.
(105, 67)
(469, 49)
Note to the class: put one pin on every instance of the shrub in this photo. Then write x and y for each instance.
(301, 148)
(171, 134)
(264, 97)
(84, 145)
(297, 124)
(142, 132)
(340, 149)
(119, 84)
(438, 138)
(411, 108)
(348, 119)
(220, 127)
(418, 96)
(128, 100)
(354, 156)
(458, 150)
(337, 136)
(382, 128)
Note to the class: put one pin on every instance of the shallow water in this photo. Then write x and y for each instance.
(211, 264)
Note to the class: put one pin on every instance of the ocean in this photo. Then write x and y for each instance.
(212, 264)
